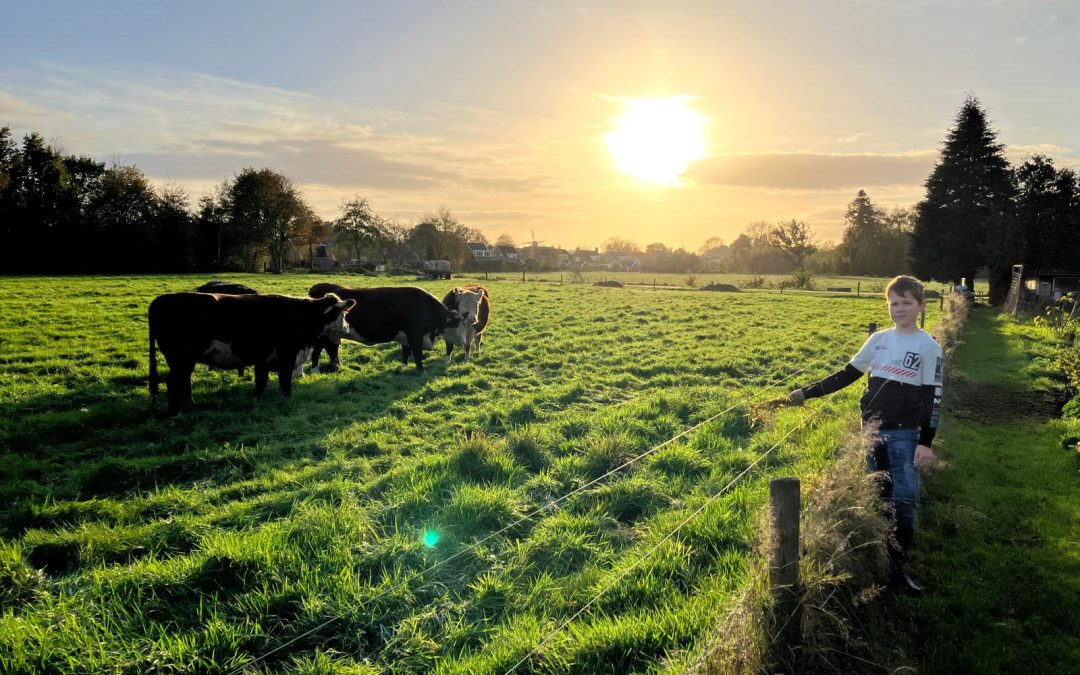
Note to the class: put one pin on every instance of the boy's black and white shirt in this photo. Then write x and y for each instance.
(904, 387)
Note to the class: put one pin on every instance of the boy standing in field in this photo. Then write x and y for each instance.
(903, 395)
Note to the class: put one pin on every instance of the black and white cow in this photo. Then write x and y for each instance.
(228, 332)
(405, 314)
(473, 304)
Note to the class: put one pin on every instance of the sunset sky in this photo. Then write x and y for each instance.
(520, 116)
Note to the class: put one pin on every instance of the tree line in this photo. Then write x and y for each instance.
(73, 214)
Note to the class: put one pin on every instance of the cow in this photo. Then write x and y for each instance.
(405, 314)
(224, 331)
(473, 304)
(233, 288)
(226, 287)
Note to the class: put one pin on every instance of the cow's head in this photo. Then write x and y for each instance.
(468, 304)
(453, 320)
(334, 310)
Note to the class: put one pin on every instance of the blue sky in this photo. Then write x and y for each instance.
(496, 110)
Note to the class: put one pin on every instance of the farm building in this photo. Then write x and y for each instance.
(1033, 289)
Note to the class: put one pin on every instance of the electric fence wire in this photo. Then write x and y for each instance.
(663, 540)
(704, 655)
(541, 509)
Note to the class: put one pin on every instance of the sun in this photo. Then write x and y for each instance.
(656, 138)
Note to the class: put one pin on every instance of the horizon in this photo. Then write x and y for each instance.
(520, 117)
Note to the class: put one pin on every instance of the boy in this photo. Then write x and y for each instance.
(903, 395)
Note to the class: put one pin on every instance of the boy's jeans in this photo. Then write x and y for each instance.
(894, 451)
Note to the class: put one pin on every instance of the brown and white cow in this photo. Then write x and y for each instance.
(405, 314)
(228, 332)
(473, 304)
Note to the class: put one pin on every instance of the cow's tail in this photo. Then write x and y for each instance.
(153, 366)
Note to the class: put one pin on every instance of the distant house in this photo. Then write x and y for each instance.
(1033, 289)
(507, 253)
(481, 251)
(585, 256)
(621, 263)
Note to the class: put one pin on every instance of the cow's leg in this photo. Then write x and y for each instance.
(262, 376)
(179, 384)
(405, 354)
(416, 341)
(284, 375)
(468, 333)
(449, 351)
(333, 349)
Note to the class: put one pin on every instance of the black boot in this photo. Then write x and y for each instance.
(898, 577)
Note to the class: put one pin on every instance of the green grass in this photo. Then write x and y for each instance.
(133, 542)
(1000, 540)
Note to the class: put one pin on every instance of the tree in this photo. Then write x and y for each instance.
(358, 225)
(264, 214)
(120, 213)
(712, 246)
(505, 242)
(172, 230)
(794, 240)
(966, 220)
(1048, 213)
(864, 235)
(620, 247)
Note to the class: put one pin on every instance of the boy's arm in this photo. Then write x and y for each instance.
(832, 383)
(858, 365)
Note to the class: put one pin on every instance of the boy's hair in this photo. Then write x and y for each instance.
(904, 284)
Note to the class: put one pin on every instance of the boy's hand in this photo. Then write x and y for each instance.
(796, 397)
(924, 457)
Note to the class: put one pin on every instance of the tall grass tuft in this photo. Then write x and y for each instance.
(531, 447)
(480, 458)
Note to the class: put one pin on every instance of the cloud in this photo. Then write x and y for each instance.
(852, 138)
(813, 171)
(1049, 149)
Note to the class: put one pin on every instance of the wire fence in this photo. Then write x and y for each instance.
(816, 365)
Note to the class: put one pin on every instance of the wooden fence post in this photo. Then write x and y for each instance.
(858, 289)
(522, 276)
(786, 622)
(922, 318)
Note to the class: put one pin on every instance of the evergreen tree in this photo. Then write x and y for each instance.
(864, 236)
(1048, 214)
(966, 221)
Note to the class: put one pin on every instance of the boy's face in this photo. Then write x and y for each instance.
(904, 309)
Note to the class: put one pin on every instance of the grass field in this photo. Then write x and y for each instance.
(1001, 543)
(376, 521)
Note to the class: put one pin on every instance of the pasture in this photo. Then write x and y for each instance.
(387, 521)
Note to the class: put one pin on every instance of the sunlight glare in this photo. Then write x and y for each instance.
(656, 138)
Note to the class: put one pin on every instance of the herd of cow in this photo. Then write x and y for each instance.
(231, 326)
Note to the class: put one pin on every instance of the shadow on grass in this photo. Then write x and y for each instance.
(56, 451)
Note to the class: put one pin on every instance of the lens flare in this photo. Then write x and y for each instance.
(431, 538)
